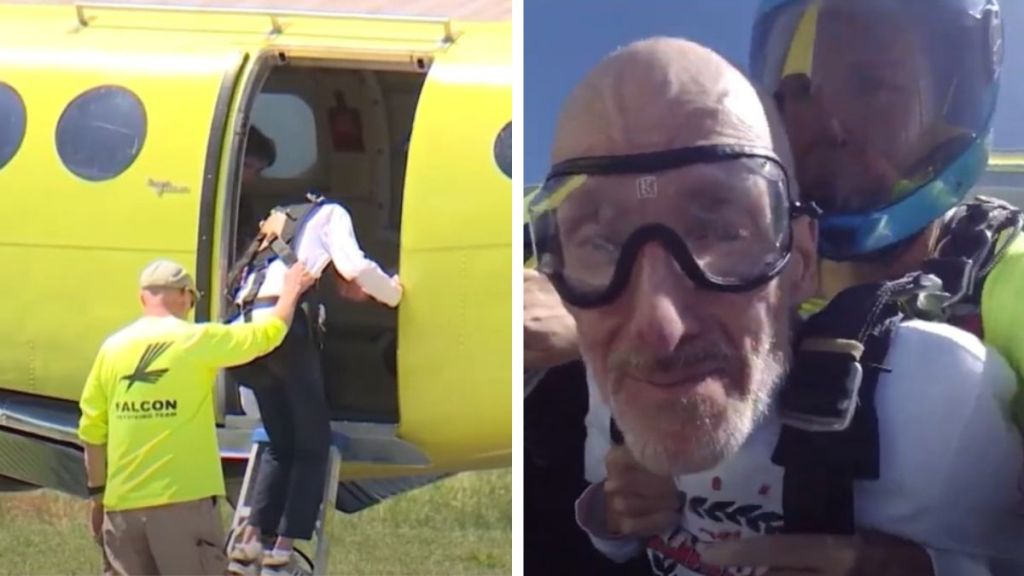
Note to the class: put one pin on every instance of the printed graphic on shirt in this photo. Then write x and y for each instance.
(147, 408)
(705, 521)
(142, 372)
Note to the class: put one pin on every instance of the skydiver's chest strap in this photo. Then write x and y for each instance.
(970, 243)
(830, 437)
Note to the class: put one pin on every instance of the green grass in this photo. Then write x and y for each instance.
(459, 526)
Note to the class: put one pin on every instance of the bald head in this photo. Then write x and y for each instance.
(658, 94)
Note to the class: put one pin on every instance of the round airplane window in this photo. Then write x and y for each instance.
(101, 132)
(12, 123)
(503, 150)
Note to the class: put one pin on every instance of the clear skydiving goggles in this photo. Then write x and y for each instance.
(722, 211)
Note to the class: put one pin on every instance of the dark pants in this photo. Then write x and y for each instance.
(289, 387)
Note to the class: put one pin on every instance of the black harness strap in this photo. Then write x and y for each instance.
(284, 252)
(829, 437)
(250, 296)
(971, 242)
(237, 272)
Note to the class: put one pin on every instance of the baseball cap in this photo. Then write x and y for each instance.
(167, 274)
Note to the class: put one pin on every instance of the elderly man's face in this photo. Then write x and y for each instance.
(856, 125)
(687, 372)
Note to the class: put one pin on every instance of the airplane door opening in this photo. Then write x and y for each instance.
(344, 133)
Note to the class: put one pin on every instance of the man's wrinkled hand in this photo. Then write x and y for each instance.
(549, 331)
(866, 554)
(96, 520)
(298, 279)
(271, 228)
(638, 503)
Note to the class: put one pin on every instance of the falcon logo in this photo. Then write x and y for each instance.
(142, 372)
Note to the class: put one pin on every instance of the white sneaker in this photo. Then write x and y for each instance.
(278, 563)
(245, 558)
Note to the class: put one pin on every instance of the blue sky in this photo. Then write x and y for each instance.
(564, 38)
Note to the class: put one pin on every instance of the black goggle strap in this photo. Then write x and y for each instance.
(679, 251)
(663, 160)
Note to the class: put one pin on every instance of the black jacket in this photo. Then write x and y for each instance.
(554, 478)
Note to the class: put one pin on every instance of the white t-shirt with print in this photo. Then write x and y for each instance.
(951, 463)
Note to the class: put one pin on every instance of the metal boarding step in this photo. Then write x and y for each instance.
(321, 533)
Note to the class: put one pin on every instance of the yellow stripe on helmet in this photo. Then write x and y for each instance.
(800, 58)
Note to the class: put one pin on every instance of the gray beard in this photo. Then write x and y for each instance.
(768, 368)
(719, 444)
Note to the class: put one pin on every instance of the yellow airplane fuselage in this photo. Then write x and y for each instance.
(74, 240)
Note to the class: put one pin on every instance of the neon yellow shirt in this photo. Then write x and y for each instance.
(1002, 313)
(149, 398)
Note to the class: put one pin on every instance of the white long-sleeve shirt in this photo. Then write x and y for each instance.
(951, 463)
(329, 237)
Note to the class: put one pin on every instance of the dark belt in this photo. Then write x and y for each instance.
(244, 309)
(265, 301)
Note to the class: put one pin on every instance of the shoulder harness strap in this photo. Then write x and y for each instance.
(283, 246)
(259, 254)
(970, 243)
(829, 437)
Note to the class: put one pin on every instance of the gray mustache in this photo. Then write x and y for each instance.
(685, 356)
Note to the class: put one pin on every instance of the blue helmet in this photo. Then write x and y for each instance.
(888, 105)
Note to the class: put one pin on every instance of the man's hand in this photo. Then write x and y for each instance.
(867, 554)
(549, 332)
(298, 279)
(96, 519)
(271, 227)
(637, 502)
